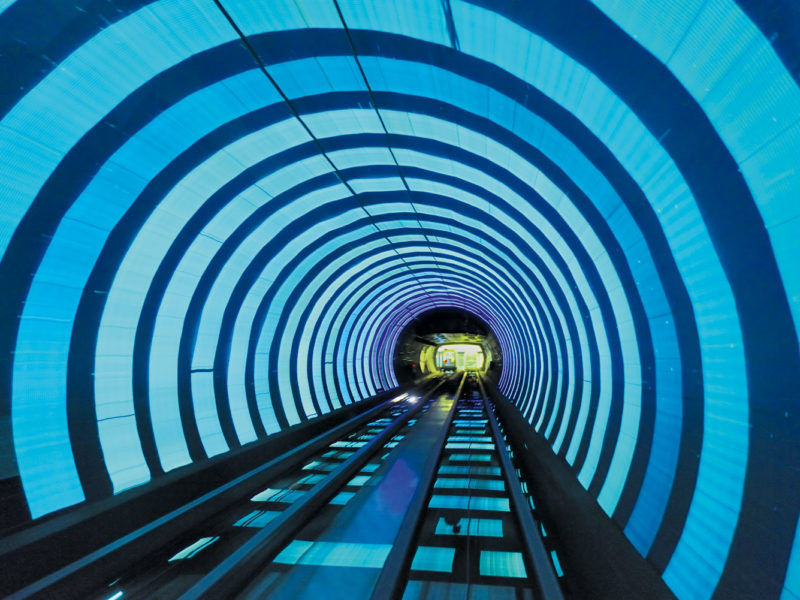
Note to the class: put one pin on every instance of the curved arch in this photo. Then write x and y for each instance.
(207, 241)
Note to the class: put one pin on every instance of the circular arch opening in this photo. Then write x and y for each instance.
(446, 340)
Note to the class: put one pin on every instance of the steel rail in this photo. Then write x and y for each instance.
(391, 576)
(118, 554)
(234, 572)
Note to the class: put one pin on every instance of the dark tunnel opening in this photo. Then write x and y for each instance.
(416, 350)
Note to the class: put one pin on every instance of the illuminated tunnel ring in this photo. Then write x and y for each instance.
(475, 281)
(702, 381)
(500, 331)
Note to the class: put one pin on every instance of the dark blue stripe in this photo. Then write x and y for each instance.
(36, 35)
(779, 22)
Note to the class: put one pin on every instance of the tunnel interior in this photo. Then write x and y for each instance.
(460, 357)
(228, 228)
(418, 349)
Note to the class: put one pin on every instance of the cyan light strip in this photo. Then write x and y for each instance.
(473, 527)
(468, 470)
(439, 589)
(791, 585)
(556, 563)
(194, 548)
(469, 502)
(470, 483)
(278, 495)
(257, 518)
(334, 554)
(468, 446)
(502, 564)
(433, 558)
(342, 498)
(471, 457)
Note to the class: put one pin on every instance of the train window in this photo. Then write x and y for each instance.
(459, 357)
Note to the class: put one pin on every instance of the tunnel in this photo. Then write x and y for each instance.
(232, 230)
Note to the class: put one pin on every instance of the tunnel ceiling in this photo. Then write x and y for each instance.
(438, 321)
(217, 217)
(438, 339)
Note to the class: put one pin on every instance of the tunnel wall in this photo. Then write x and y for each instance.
(217, 218)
